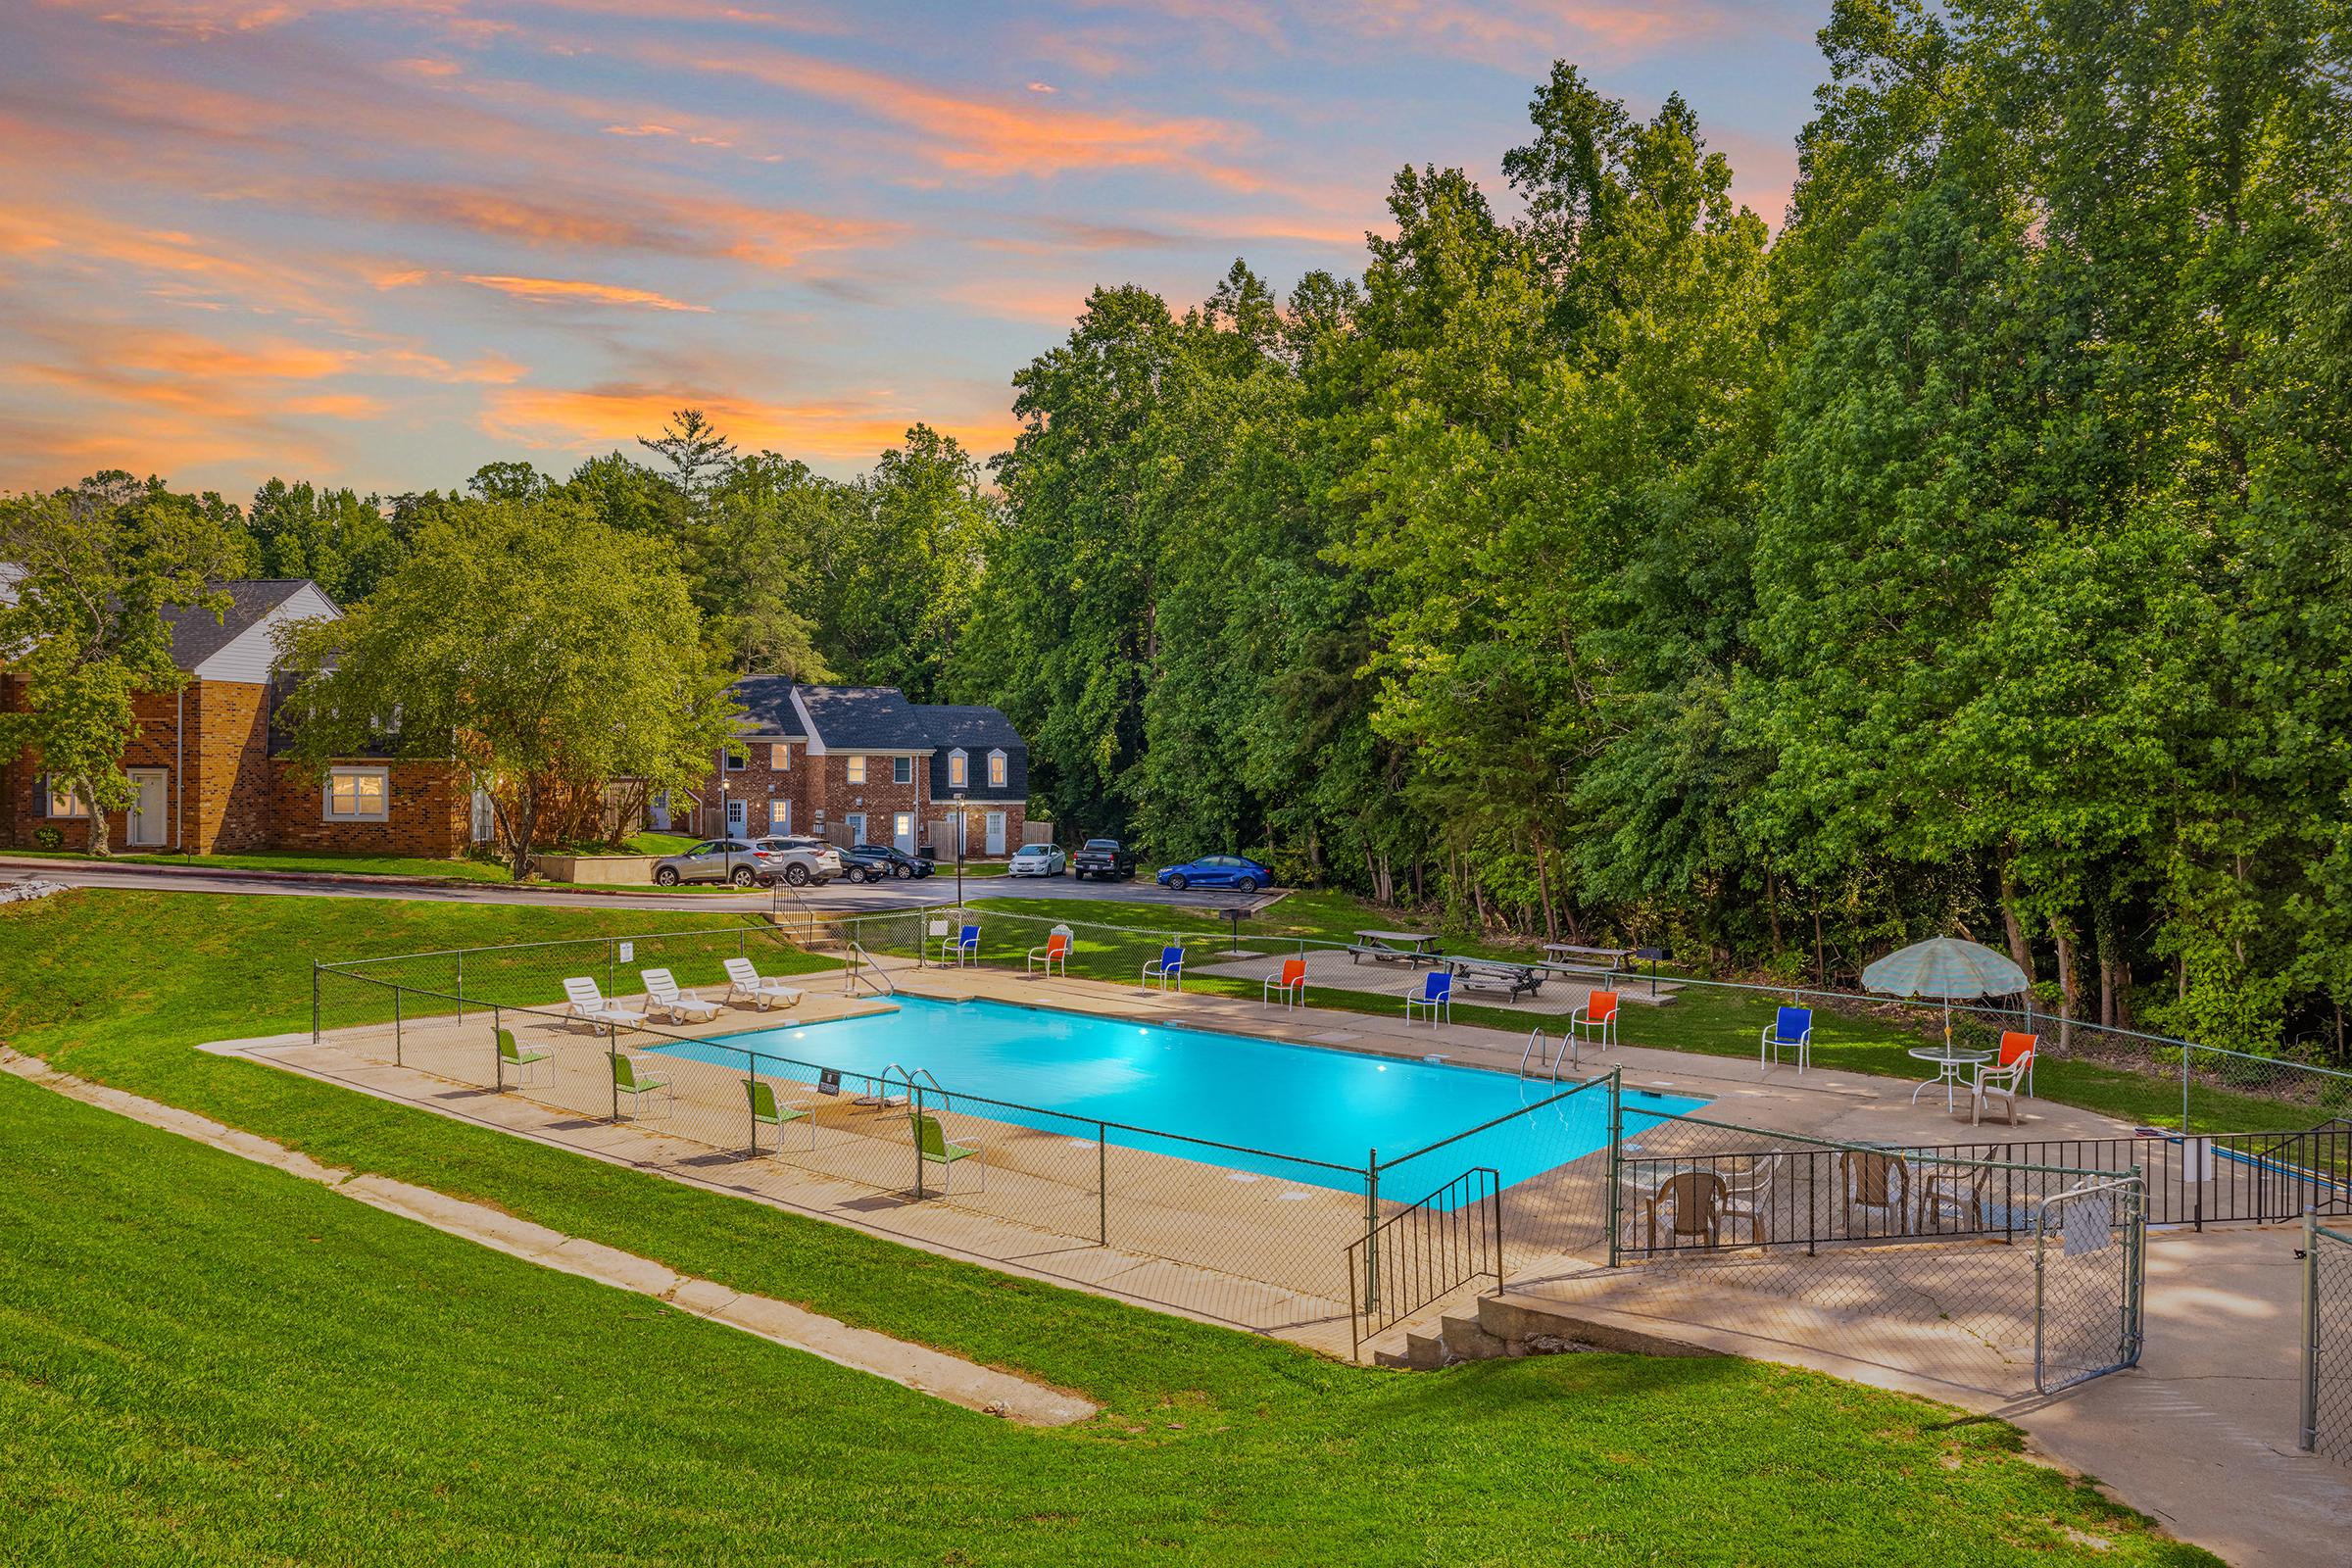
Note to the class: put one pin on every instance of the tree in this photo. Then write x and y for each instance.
(343, 541)
(698, 456)
(543, 652)
(96, 566)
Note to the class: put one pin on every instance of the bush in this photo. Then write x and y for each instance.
(49, 838)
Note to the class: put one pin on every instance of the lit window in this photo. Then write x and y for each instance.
(60, 801)
(901, 771)
(357, 795)
(856, 770)
(996, 770)
(779, 757)
(959, 770)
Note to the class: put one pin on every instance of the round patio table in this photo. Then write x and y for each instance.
(1949, 1062)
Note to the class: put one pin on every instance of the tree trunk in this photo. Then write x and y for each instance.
(519, 848)
(1552, 922)
(1821, 958)
(2068, 981)
(88, 794)
(1772, 909)
(2021, 953)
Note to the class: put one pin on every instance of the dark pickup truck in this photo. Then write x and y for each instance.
(1103, 858)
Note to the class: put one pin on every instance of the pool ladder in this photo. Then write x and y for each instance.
(881, 1099)
(1536, 1057)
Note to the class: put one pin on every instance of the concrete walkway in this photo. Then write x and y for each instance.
(914, 1366)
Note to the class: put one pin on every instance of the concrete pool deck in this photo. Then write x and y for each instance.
(2200, 1435)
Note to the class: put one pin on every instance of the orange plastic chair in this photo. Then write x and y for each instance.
(1290, 985)
(1056, 951)
(1597, 1019)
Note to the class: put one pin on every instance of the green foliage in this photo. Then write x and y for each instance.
(92, 569)
(544, 651)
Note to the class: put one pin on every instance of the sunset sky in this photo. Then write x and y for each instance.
(383, 243)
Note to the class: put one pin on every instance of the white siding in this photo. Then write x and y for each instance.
(253, 654)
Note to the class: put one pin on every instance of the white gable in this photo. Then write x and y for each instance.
(817, 742)
(252, 654)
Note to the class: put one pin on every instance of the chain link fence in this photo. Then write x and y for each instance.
(2326, 1412)
(2214, 1089)
(1930, 1260)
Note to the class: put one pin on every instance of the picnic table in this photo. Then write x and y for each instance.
(1393, 947)
(1489, 974)
(1569, 955)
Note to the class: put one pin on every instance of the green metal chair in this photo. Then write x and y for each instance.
(512, 1059)
(627, 1080)
(769, 1111)
(931, 1142)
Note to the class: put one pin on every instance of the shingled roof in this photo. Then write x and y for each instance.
(973, 728)
(877, 719)
(768, 706)
(196, 636)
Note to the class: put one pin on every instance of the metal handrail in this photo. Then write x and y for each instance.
(1446, 1250)
(856, 970)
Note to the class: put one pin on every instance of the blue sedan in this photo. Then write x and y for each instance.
(1217, 871)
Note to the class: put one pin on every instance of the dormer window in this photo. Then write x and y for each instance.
(997, 770)
(959, 770)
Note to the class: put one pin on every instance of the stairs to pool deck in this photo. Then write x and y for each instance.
(1495, 1327)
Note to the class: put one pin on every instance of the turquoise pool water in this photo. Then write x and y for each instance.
(1334, 1106)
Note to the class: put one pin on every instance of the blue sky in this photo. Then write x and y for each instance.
(382, 243)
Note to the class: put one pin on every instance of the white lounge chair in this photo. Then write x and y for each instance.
(745, 984)
(588, 1004)
(681, 1007)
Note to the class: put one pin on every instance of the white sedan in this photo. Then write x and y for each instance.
(1037, 860)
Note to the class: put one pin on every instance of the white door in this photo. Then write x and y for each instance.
(902, 832)
(995, 832)
(856, 823)
(738, 817)
(150, 809)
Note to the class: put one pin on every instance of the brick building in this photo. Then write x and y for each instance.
(207, 766)
(862, 764)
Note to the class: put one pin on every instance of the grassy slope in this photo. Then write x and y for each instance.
(315, 861)
(1704, 1019)
(205, 1360)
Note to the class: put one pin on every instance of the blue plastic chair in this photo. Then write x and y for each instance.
(966, 946)
(1168, 967)
(1792, 1029)
(1436, 995)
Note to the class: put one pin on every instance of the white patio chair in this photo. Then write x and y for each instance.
(679, 1006)
(745, 983)
(588, 1004)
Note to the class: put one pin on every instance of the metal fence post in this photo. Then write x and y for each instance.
(609, 951)
(915, 1124)
(2188, 1067)
(498, 1057)
(2307, 1436)
(461, 985)
(1616, 1162)
(1371, 1229)
(613, 1050)
(1102, 1183)
(397, 1061)
(313, 1001)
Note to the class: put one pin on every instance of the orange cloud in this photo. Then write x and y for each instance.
(997, 140)
(560, 289)
(849, 430)
(607, 220)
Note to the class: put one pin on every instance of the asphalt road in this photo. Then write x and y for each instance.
(875, 898)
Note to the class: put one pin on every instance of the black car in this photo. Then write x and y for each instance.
(1103, 858)
(873, 862)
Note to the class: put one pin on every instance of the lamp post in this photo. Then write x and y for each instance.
(959, 827)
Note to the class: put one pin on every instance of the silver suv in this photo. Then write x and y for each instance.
(800, 863)
(736, 860)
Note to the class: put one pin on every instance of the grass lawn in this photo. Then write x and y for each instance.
(1711, 1021)
(316, 861)
(205, 1360)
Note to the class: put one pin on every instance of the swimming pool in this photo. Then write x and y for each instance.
(1335, 1106)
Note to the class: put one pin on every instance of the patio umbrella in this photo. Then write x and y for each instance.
(1948, 968)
